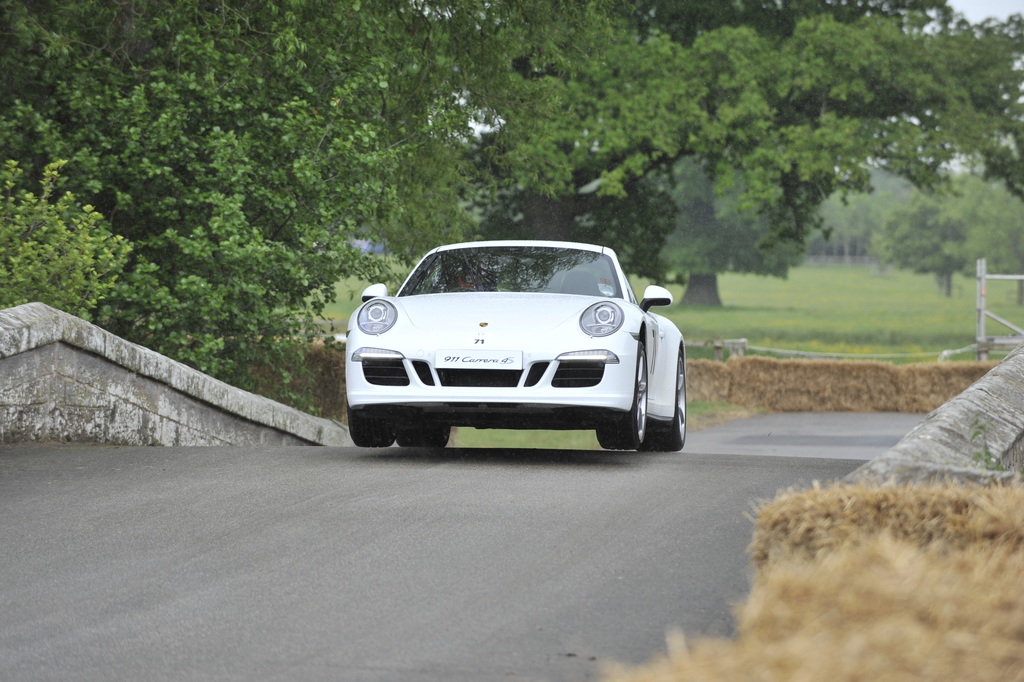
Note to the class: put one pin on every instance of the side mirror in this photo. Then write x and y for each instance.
(655, 295)
(374, 291)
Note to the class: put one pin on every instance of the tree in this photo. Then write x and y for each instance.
(54, 252)
(790, 102)
(714, 235)
(848, 224)
(240, 146)
(944, 234)
(995, 231)
(589, 217)
(926, 237)
(999, 139)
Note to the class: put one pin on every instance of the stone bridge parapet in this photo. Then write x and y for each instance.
(63, 379)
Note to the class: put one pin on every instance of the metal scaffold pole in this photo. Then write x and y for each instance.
(981, 351)
(983, 342)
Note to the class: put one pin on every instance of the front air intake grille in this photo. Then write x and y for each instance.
(423, 372)
(485, 378)
(535, 374)
(385, 372)
(578, 375)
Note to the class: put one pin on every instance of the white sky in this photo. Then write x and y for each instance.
(979, 10)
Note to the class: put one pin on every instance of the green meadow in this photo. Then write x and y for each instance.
(855, 310)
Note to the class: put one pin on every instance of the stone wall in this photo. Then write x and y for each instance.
(65, 380)
(977, 436)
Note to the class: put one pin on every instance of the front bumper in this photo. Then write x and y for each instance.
(555, 388)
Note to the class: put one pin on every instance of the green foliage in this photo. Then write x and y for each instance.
(241, 146)
(849, 223)
(946, 233)
(784, 104)
(54, 252)
(924, 238)
(714, 235)
(994, 218)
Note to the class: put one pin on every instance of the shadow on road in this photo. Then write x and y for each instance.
(507, 456)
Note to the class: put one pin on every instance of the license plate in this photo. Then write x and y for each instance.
(479, 359)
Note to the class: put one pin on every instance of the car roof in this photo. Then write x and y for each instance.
(526, 242)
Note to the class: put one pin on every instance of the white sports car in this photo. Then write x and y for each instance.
(516, 334)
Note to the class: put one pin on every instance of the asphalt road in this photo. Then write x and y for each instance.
(347, 564)
(833, 435)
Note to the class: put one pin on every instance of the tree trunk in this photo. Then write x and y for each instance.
(702, 290)
(946, 284)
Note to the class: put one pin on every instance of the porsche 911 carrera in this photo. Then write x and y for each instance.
(516, 335)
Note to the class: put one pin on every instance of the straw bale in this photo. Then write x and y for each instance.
(784, 385)
(708, 381)
(809, 523)
(866, 583)
(813, 386)
(960, 598)
(317, 375)
(926, 386)
(883, 609)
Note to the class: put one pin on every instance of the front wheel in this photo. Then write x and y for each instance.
(627, 432)
(670, 436)
(367, 432)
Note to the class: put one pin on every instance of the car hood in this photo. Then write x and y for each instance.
(496, 310)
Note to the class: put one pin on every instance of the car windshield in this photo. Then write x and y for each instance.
(526, 269)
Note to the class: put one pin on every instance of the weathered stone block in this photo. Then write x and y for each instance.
(63, 379)
(965, 439)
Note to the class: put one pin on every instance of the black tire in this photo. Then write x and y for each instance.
(369, 432)
(627, 432)
(671, 435)
(422, 435)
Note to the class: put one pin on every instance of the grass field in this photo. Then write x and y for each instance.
(835, 309)
(855, 310)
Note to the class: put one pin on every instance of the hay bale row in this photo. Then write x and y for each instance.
(806, 524)
(873, 584)
(830, 386)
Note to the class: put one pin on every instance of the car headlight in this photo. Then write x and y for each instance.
(604, 357)
(376, 317)
(376, 354)
(601, 319)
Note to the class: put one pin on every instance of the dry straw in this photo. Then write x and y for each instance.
(830, 386)
(809, 523)
(859, 583)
